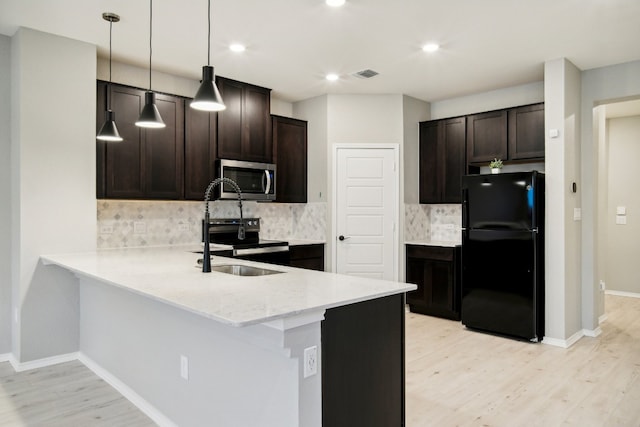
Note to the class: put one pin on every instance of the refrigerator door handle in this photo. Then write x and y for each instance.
(465, 207)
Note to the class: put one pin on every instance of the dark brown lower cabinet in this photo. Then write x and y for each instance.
(363, 364)
(310, 257)
(435, 270)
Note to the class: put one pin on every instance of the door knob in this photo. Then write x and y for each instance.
(341, 238)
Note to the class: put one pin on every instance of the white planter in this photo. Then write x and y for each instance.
(495, 170)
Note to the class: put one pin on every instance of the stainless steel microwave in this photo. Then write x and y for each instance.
(257, 181)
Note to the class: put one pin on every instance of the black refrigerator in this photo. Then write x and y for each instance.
(503, 254)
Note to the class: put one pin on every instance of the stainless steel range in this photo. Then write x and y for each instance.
(225, 231)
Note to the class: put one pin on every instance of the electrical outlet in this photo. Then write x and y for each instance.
(310, 361)
(139, 227)
(184, 367)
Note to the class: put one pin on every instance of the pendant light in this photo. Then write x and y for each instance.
(150, 116)
(208, 97)
(109, 131)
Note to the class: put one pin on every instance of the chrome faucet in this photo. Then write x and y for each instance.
(206, 256)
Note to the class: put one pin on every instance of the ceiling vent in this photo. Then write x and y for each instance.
(365, 74)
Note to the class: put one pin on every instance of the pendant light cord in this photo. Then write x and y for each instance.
(108, 91)
(150, 37)
(209, 35)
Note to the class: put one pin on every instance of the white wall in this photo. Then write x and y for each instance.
(623, 245)
(5, 194)
(360, 119)
(486, 101)
(315, 111)
(53, 184)
(414, 111)
(354, 119)
(562, 112)
(599, 86)
(281, 108)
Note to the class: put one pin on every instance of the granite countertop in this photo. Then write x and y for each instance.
(170, 275)
(433, 243)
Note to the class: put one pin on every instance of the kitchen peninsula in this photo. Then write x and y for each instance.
(217, 349)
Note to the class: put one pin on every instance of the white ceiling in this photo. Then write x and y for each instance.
(292, 44)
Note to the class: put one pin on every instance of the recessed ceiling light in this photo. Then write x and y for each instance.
(332, 77)
(430, 47)
(335, 3)
(237, 47)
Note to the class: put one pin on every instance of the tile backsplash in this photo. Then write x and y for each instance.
(130, 223)
(439, 223)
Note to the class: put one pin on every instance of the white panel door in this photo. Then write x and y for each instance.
(366, 212)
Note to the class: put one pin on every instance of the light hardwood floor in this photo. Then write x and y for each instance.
(64, 395)
(455, 377)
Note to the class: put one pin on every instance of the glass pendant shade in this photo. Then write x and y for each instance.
(208, 97)
(150, 116)
(109, 131)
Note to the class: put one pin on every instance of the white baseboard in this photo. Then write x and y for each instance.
(5, 357)
(622, 294)
(592, 332)
(41, 363)
(144, 406)
(556, 342)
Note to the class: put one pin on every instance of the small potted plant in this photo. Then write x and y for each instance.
(495, 165)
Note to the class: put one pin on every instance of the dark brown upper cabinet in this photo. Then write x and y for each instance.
(526, 132)
(199, 152)
(513, 134)
(290, 156)
(487, 136)
(148, 163)
(442, 160)
(244, 127)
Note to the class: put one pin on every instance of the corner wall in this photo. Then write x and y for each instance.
(53, 185)
(5, 194)
(562, 245)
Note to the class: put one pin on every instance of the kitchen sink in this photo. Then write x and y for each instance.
(243, 270)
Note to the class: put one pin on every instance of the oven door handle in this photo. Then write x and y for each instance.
(254, 251)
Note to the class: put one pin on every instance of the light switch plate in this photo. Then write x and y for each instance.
(621, 210)
(577, 214)
(621, 219)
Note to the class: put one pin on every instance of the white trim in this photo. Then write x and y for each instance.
(41, 363)
(334, 189)
(133, 397)
(602, 319)
(622, 294)
(592, 332)
(5, 357)
(297, 321)
(564, 343)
